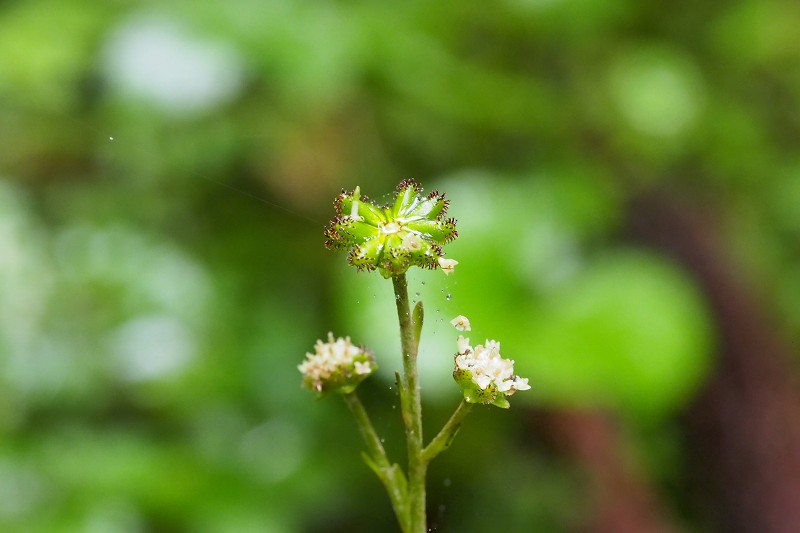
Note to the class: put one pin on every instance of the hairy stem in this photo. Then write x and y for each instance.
(442, 441)
(390, 475)
(412, 408)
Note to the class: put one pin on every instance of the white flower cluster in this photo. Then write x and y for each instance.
(337, 364)
(487, 368)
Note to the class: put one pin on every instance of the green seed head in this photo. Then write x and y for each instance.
(409, 231)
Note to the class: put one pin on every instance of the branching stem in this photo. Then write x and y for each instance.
(407, 494)
(445, 437)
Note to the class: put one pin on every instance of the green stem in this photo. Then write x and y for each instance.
(445, 437)
(390, 475)
(412, 408)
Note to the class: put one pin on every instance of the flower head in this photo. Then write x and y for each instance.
(337, 365)
(485, 376)
(394, 237)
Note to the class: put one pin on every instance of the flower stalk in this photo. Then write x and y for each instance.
(445, 437)
(412, 406)
(391, 475)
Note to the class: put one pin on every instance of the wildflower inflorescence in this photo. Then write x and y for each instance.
(337, 365)
(485, 376)
(394, 237)
(408, 232)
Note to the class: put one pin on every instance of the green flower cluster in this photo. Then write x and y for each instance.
(392, 238)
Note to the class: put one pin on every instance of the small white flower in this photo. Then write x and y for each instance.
(461, 323)
(448, 265)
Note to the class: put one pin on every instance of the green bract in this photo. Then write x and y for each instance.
(474, 394)
(394, 237)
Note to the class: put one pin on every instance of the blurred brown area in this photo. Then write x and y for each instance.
(620, 497)
(743, 429)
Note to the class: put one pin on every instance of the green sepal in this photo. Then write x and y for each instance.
(357, 230)
(440, 231)
(344, 202)
(430, 207)
(367, 254)
(426, 255)
(399, 257)
(396, 258)
(371, 213)
(473, 393)
(462, 377)
(334, 387)
(405, 202)
(501, 401)
(347, 388)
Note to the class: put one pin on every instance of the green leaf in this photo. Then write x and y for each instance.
(417, 317)
(372, 466)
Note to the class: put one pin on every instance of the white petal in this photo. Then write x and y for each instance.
(521, 383)
(448, 265)
(482, 381)
(463, 344)
(461, 323)
(505, 386)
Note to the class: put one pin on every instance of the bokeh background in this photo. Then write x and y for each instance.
(626, 177)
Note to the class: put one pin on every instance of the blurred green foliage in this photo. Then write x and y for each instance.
(167, 172)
